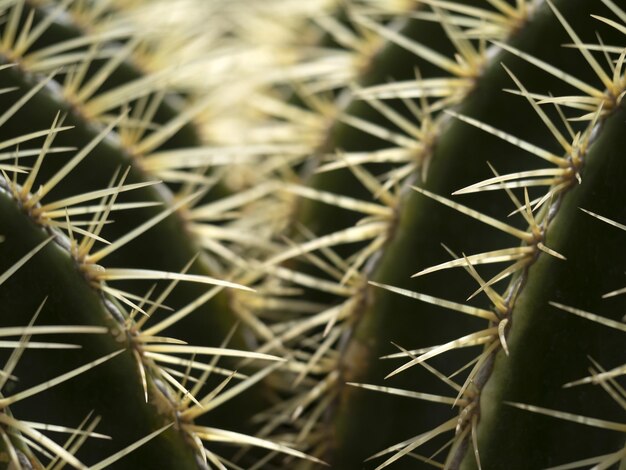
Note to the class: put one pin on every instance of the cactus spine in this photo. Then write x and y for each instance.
(226, 228)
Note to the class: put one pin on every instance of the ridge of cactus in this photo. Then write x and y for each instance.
(562, 175)
(379, 218)
(152, 129)
(231, 234)
(86, 256)
(503, 308)
(93, 302)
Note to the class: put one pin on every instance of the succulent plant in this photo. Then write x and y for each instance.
(286, 234)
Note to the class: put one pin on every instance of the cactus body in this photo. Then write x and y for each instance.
(363, 234)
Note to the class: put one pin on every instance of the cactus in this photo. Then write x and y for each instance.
(283, 234)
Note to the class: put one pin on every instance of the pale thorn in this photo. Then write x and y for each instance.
(28, 36)
(322, 388)
(496, 299)
(159, 339)
(331, 337)
(474, 425)
(116, 274)
(621, 14)
(64, 429)
(99, 220)
(394, 117)
(620, 27)
(604, 78)
(409, 445)
(51, 330)
(471, 11)
(498, 256)
(349, 235)
(461, 432)
(608, 382)
(429, 87)
(215, 460)
(604, 219)
(584, 103)
(17, 352)
(4, 402)
(69, 166)
(117, 294)
(199, 408)
(602, 462)
(178, 386)
(219, 435)
(569, 79)
(22, 261)
(36, 445)
(472, 339)
(463, 368)
(159, 302)
(25, 138)
(591, 316)
(155, 140)
(15, 107)
(524, 145)
(461, 308)
(565, 144)
(381, 132)
(550, 251)
(489, 350)
(88, 89)
(614, 293)
(4, 344)
(412, 354)
(30, 180)
(41, 59)
(522, 235)
(598, 378)
(10, 449)
(45, 442)
(407, 393)
(416, 48)
(14, 169)
(502, 325)
(128, 237)
(466, 53)
(12, 24)
(142, 374)
(183, 312)
(127, 450)
(81, 198)
(165, 359)
(212, 365)
(338, 200)
(501, 181)
(207, 350)
(598, 423)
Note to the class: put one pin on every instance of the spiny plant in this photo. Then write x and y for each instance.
(289, 189)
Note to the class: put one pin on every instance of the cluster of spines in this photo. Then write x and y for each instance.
(315, 345)
(147, 347)
(567, 172)
(318, 339)
(435, 94)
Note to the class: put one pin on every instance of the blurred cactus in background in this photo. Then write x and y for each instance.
(294, 234)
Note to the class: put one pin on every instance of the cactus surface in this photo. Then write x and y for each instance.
(296, 234)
